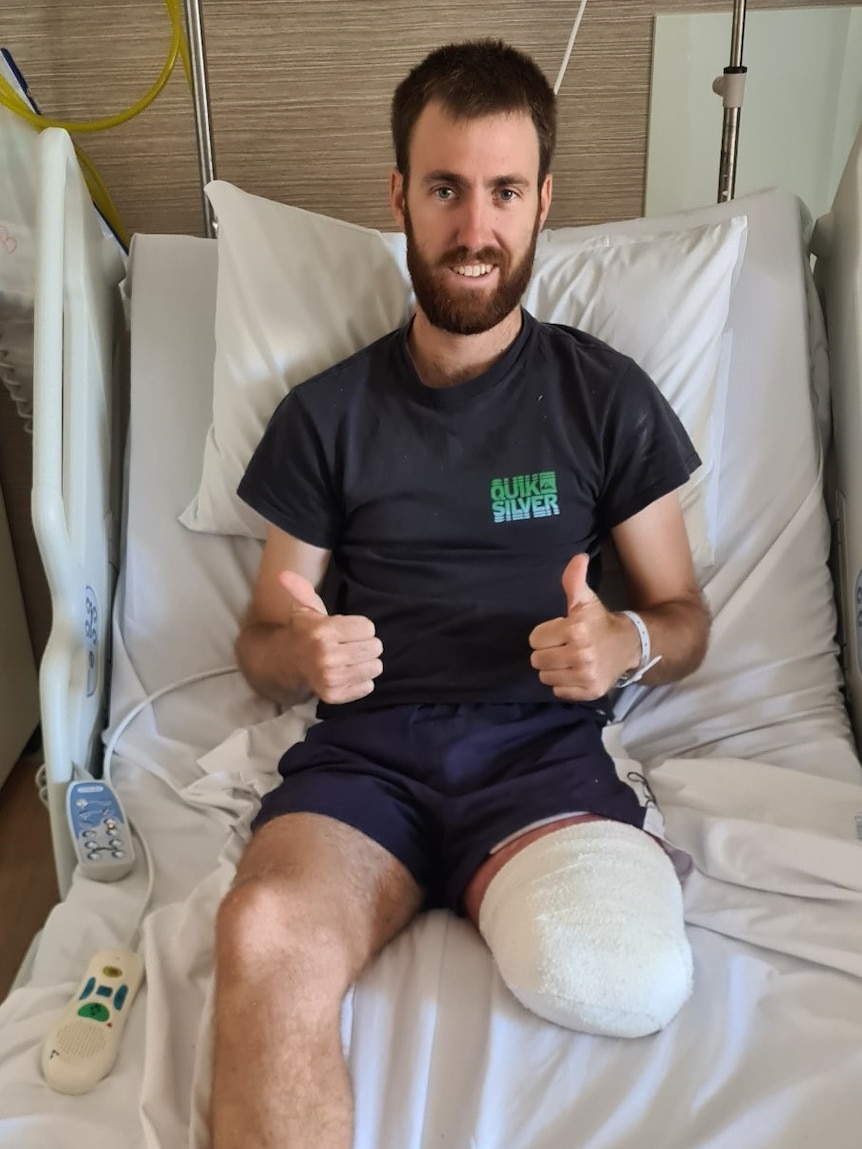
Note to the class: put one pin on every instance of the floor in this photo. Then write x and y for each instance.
(28, 887)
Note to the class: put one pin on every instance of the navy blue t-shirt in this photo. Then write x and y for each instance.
(452, 512)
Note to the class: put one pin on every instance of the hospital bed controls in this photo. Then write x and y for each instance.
(100, 831)
(82, 1047)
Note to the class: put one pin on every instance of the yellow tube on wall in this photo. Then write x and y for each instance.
(10, 99)
(178, 47)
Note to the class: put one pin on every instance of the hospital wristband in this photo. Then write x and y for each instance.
(646, 661)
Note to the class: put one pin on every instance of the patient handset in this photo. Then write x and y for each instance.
(82, 1047)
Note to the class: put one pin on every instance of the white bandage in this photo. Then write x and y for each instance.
(586, 927)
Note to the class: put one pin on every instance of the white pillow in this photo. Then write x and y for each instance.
(298, 292)
(663, 299)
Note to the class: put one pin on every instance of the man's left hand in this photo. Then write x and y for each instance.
(583, 655)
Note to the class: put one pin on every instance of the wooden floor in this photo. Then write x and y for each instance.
(28, 887)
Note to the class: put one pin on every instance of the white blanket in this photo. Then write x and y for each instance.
(767, 1053)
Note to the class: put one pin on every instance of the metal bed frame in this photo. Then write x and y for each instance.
(730, 86)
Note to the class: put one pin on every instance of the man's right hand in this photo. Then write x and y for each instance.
(339, 654)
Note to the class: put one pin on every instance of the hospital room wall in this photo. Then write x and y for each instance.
(300, 96)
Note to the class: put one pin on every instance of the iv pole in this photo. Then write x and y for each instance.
(200, 93)
(731, 87)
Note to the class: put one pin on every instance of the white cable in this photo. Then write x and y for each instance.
(569, 47)
(42, 775)
(16, 351)
(42, 784)
(151, 881)
(20, 392)
(136, 710)
(41, 778)
(121, 728)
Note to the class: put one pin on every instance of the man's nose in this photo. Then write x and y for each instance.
(474, 223)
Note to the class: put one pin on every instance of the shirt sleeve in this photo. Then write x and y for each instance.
(647, 451)
(289, 478)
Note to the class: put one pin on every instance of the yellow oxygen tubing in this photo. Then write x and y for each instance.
(10, 99)
(178, 47)
(102, 198)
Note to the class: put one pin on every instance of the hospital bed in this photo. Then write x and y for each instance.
(752, 758)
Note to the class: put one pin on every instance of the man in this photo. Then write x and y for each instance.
(435, 503)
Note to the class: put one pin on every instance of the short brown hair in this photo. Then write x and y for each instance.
(477, 78)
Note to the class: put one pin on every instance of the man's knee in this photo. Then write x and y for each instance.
(586, 926)
(266, 924)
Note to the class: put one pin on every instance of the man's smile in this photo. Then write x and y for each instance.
(473, 270)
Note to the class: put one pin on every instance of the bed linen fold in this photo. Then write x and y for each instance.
(773, 908)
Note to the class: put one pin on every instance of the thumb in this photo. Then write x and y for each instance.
(578, 593)
(302, 592)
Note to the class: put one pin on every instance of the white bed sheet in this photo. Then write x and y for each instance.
(768, 1052)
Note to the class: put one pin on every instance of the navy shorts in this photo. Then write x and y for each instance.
(440, 785)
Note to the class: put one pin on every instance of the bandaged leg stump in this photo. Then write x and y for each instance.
(586, 927)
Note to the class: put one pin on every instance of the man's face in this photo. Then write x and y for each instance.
(471, 212)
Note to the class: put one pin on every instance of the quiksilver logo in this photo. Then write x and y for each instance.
(524, 497)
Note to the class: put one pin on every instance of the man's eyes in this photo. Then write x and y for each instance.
(447, 194)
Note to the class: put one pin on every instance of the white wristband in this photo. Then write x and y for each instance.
(646, 662)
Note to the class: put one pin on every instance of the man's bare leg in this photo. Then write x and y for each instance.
(313, 901)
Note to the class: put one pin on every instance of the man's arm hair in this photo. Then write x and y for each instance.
(264, 647)
(655, 555)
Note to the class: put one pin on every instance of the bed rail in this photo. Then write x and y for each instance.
(837, 244)
(74, 457)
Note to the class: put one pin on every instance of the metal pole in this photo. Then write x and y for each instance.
(731, 89)
(737, 34)
(200, 93)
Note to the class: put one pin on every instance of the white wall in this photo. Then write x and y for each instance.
(803, 105)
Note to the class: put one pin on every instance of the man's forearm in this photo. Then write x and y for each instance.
(679, 632)
(264, 658)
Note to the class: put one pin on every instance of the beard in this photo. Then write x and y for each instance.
(471, 311)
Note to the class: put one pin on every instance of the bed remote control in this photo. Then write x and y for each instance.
(82, 1047)
(100, 831)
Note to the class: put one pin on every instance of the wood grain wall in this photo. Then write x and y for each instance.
(300, 94)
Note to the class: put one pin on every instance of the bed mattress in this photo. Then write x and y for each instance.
(750, 759)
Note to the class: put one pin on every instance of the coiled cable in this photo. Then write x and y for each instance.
(102, 198)
(178, 47)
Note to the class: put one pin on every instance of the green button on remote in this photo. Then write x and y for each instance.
(95, 1011)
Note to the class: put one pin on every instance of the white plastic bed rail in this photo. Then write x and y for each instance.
(837, 243)
(76, 305)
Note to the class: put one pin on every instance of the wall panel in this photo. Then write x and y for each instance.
(300, 94)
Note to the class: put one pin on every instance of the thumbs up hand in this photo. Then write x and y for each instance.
(582, 655)
(578, 593)
(304, 596)
(339, 654)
